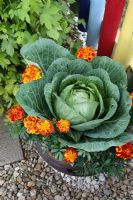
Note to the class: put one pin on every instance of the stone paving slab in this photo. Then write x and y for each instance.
(10, 149)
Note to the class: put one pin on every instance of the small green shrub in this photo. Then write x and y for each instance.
(23, 22)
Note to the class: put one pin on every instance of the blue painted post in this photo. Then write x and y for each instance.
(84, 6)
(95, 19)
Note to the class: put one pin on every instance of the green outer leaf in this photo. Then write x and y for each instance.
(96, 146)
(71, 79)
(59, 65)
(79, 66)
(50, 88)
(43, 52)
(111, 90)
(112, 106)
(57, 79)
(48, 96)
(31, 97)
(115, 70)
(76, 136)
(118, 123)
(70, 66)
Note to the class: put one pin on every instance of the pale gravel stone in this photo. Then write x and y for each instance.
(21, 198)
(7, 167)
(15, 174)
(101, 178)
(1, 182)
(16, 168)
(19, 194)
(58, 197)
(33, 193)
(131, 163)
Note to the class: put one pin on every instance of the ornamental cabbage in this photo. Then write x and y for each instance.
(91, 95)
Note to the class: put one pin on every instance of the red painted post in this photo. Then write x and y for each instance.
(110, 25)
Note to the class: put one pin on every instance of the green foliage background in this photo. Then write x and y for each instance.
(23, 22)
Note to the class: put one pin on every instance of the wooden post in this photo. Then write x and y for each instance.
(96, 14)
(123, 51)
(111, 21)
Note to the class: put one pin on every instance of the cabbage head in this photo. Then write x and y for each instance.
(92, 96)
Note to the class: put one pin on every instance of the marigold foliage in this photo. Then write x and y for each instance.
(31, 73)
(87, 53)
(125, 151)
(70, 155)
(15, 113)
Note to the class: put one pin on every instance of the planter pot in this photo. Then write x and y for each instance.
(130, 79)
(60, 166)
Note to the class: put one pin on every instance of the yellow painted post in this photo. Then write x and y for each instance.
(123, 50)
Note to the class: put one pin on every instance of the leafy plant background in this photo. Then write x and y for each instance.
(23, 22)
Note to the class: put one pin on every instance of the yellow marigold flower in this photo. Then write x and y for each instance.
(30, 123)
(31, 73)
(63, 126)
(70, 155)
(35, 125)
(125, 151)
(15, 113)
(87, 53)
(45, 127)
(131, 95)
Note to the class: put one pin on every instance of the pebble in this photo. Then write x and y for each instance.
(58, 197)
(21, 198)
(33, 193)
(38, 167)
(7, 167)
(31, 184)
(107, 192)
(96, 198)
(101, 178)
(2, 191)
(19, 194)
(131, 163)
(1, 182)
(15, 174)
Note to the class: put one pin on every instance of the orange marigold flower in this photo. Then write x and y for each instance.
(35, 125)
(31, 73)
(15, 113)
(63, 126)
(131, 95)
(45, 127)
(87, 53)
(125, 151)
(70, 155)
(30, 122)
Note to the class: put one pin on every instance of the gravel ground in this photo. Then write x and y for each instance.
(33, 179)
